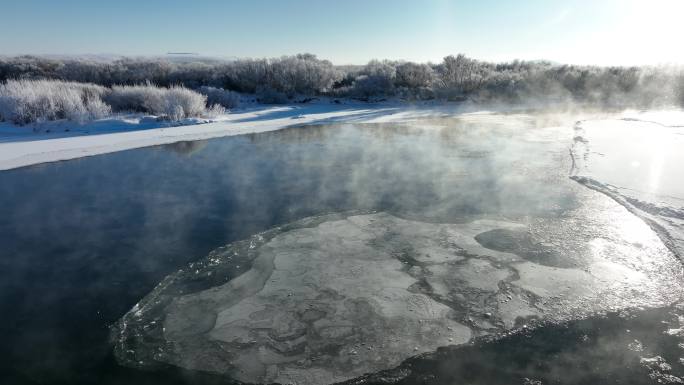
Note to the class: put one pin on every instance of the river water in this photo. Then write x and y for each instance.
(435, 251)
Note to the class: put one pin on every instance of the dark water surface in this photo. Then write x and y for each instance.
(82, 241)
(630, 347)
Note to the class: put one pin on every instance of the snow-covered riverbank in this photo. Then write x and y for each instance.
(56, 141)
(23, 146)
(637, 161)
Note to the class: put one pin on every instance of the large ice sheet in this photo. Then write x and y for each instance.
(331, 298)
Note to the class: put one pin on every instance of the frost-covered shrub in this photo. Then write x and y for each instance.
(366, 86)
(679, 90)
(31, 101)
(300, 74)
(174, 103)
(133, 98)
(214, 111)
(182, 103)
(413, 94)
(377, 78)
(413, 75)
(268, 95)
(225, 98)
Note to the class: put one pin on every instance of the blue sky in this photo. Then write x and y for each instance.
(352, 31)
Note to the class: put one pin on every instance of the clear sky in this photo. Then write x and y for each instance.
(602, 32)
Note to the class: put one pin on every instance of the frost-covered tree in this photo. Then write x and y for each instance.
(463, 74)
(375, 79)
(413, 75)
(456, 77)
(300, 74)
(680, 89)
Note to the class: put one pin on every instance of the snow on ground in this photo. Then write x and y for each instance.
(24, 146)
(55, 141)
(636, 160)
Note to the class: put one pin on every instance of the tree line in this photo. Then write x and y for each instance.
(278, 80)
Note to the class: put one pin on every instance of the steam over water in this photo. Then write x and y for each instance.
(363, 253)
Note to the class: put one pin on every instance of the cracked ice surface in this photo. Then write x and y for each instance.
(330, 298)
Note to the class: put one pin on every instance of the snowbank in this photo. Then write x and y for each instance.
(21, 146)
(61, 140)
